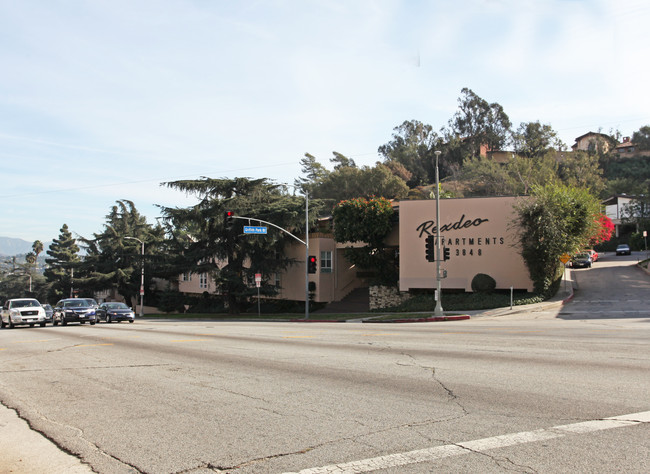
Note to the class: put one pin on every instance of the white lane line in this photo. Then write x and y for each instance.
(439, 452)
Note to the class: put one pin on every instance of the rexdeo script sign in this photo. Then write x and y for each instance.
(479, 233)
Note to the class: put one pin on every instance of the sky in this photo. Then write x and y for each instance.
(104, 100)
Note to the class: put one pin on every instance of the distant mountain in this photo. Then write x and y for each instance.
(10, 246)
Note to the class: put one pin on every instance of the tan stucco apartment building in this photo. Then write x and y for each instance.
(478, 232)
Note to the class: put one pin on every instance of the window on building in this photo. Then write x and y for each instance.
(186, 277)
(326, 261)
(277, 280)
(203, 280)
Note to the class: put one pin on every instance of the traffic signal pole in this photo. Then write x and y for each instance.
(438, 310)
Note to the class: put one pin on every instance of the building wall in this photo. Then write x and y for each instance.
(479, 234)
(332, 283)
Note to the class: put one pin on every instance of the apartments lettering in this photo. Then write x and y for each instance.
(462, 246)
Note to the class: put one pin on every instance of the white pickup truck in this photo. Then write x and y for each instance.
(22, 311)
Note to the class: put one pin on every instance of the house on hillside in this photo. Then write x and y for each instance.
(618, 208)
(592, 141)
(627, 149)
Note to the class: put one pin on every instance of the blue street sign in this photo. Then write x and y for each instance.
(251, 229)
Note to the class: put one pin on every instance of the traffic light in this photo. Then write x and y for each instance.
(446, 253)
(430, 249)
(227, 218)
(311, 264)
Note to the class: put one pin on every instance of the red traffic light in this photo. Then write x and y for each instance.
(311, 264)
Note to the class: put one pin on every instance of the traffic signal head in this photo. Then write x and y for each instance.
(430, 249)
(227, 218)
(311, 264)
(446, 253)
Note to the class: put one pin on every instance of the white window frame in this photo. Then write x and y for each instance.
(326, 257)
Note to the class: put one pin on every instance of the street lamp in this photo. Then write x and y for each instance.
(141, 276)
(438, 310)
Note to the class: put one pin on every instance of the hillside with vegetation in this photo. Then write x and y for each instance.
(481, 154)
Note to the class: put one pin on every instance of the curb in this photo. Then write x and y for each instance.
(317, 321)
(420, 320)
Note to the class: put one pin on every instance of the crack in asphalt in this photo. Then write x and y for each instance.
(79, 435)
(450, 393)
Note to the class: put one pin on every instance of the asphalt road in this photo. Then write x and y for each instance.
(523, 392)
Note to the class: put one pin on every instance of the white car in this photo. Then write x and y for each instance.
(22, 311)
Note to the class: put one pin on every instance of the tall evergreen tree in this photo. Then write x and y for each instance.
(480, 123)
(203, 241)
(413, 146)
(61, 265)
(113, 257)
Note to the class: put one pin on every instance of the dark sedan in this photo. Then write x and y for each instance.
(581, 260)
(110, 312)
(623, 249)
(73, 310)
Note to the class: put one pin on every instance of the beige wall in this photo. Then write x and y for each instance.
(478, 232)
(330, 285)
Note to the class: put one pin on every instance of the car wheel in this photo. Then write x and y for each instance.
(42, 325)
(31, 325)
(130, 320)
(108, 319)
(63, 322)
(11, 323)
(2, 323)
(54, 322)
(92, 323)
(82, 322)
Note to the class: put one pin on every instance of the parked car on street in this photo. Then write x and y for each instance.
(49, 311)
(581, 260)
(73, 310)
(593, 254)
(113, 311)
(623, 249)
(22, 311)
(92, 302)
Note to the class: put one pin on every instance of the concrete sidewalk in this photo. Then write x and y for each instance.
(23, 451)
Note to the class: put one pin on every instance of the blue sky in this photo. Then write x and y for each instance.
(104, 100)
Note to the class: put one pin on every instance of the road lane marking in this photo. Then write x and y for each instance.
(480, 445)
(298, 337)
(189, 340)
(27, 342)
(93, 345)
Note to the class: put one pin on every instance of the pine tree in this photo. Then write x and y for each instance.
(204, 242)
(60, 266)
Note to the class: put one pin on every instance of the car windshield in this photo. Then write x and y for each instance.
(117, 306)
(25, 304)
(75, 304)
(582, 255)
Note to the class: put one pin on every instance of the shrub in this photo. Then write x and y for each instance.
(482, 283)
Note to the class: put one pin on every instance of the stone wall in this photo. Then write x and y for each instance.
(382, 297)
